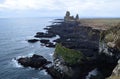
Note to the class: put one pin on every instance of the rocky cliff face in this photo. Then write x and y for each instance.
(111, 39)
(104, 60)
(80, 50)
(72, 64)
(116, 72)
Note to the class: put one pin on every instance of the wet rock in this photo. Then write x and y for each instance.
(44, 35)
(49, 44)
(44, 41)
(32, 40)
(36, 61)
(54, 73)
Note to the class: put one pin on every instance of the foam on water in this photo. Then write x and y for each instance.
(34, 78)
(51, 54)
(15, 63)
(93, 72)
(54, 38)
(44, 72)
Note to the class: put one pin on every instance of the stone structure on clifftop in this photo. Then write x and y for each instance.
(68, 17)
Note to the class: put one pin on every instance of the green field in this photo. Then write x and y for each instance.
(102, 23)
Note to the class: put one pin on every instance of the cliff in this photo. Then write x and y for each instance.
(111, 38)
(81, 49)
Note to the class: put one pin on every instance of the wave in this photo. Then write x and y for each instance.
(34, 78)
(15, 63)
(44, 72)
(51, 54)
(94, 72)
(21, 48)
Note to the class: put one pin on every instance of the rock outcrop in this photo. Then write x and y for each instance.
(33, 40)
(68, 17)
(46, 35)
(111, 43)
(70, 64)
(116, 72)
(36, 61)
(79, 50)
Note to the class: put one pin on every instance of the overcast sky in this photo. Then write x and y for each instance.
(56, 8)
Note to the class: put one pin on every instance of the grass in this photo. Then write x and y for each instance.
(112, 35)
(70, 56)
(114, 77)
(101, 23)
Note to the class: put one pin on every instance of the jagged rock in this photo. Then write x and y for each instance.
(79, 49)
(54, 73)
(32, 40)
(44, 41)
(68, 18)
(77, 17)
(49, 44)
(71, 64)
(111, 39)
(44, 35)
(110, 47)
(116, 72)
(36, 61)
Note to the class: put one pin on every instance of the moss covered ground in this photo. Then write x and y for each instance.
(70, 56)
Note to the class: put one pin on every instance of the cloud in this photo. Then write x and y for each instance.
(28, 4)
(87, 7)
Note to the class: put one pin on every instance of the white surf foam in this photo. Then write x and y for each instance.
(34, 78)
(15, 63)
(44, 72)
(51, 54)
(93, 72)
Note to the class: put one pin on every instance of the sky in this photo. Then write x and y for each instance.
(57, 8)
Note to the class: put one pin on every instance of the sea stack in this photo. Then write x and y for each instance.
(68, 17)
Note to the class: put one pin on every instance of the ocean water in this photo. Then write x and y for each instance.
(13, 44)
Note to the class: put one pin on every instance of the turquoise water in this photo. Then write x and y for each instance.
(13, 36)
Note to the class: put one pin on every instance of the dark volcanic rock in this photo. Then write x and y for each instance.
(44, 41)
(73, 36)
(91, 53)
(36, 61)
(32, 40)
(49, 44)
(54, 73)
(78, 37)
(44, 35)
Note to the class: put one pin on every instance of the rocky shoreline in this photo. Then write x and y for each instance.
(79, 50)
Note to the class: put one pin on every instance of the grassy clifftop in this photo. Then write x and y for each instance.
(70, 56)
(112, 36)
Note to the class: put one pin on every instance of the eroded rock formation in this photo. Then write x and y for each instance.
(68, 17)
(79, 50)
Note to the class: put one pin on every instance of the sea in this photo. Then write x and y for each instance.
(14, 33)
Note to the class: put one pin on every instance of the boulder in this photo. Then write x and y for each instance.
(44, 35)
(36, 61)
(49, 44)
(32, 40)
(45, 41)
